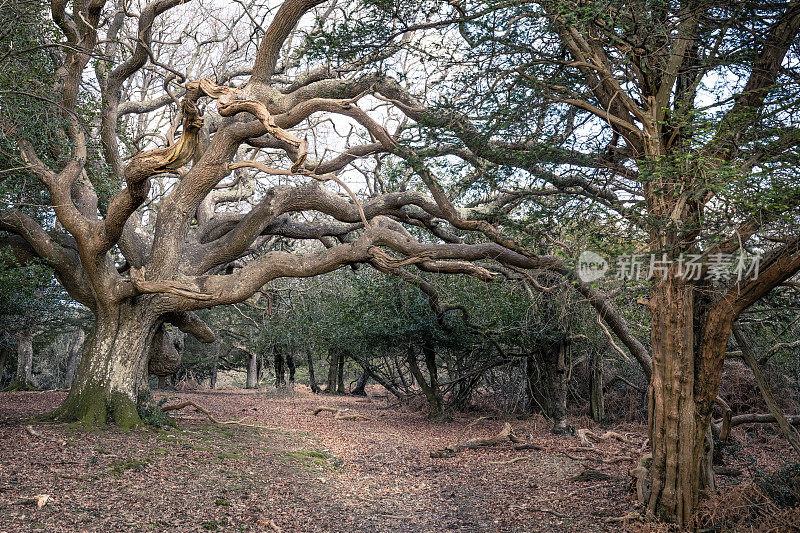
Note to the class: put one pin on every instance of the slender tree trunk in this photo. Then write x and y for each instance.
(73, 357)
(596, 399)
(290, 366)
(559, 374)
(361, 385)
(216, 346)
(431, 391)
(112, 368)
(4, 353)
(280, 371)
(252, 372)
(340, 373)
(24, 356)
(312, 382)
(333, 364)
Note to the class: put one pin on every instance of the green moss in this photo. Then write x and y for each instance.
(315, 458)
(18, 385)
(120, 466)
(222, 503)
(95, 406)
(229, 455)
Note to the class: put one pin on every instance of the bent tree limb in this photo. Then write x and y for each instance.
(749, 357)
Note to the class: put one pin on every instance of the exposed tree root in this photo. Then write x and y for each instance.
(633, 515)
(585, 434)
(639, 475)
(211, 417)
(507, 433)
(340, 414)
(38, 435)
(591, 474)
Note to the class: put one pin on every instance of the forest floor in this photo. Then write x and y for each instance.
(301, 472)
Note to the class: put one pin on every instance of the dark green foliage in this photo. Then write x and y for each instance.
(783, 486)
(150, 411)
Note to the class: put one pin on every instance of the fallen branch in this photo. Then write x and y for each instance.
(507, 433)
(584, 435)
(38, 435)
(340, 414)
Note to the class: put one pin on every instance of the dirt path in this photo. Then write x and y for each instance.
(299, 472)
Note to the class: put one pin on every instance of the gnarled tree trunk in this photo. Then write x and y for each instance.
(112, 368)
(688, 352)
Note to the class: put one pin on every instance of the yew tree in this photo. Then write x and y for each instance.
(673, 123)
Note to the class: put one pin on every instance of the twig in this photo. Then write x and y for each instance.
(510, 461)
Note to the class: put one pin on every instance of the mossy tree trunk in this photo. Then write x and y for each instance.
(112, 369)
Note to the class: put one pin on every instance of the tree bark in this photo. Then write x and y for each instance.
(24, 356)
(676, 430)
(749, 357)
(312, 382)
(112, 369)
(73, 357)
(596, 400)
